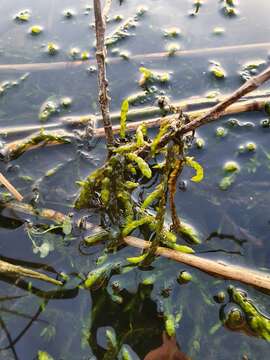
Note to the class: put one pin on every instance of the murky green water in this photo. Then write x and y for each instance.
(234, 224)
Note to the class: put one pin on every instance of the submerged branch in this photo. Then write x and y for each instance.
(216, 267)
(180, 53)
(102, 79)
(20, 271)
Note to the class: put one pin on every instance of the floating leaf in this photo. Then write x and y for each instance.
(123, 118)
(197, 167)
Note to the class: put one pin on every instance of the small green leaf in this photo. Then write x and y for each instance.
(197, 167)
(123, 118)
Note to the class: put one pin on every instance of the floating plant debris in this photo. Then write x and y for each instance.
(172, 32)
(123, 31)
(23, 15)
(172, 48)
(217, 70)
(52, 48)
(35, 30)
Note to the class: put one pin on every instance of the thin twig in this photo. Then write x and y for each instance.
(102, 80)
(148, 56)
(228, 271)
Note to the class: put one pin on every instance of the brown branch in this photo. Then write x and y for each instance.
(102, 80)
(148, 56)
(219, 268)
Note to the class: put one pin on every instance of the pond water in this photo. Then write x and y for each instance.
(234, 224)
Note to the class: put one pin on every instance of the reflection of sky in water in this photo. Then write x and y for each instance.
(241, 213)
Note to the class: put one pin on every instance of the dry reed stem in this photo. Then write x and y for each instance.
(215, 267)
(181, 53)
(10, 149)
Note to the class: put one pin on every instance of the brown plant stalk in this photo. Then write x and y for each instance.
(102, 80)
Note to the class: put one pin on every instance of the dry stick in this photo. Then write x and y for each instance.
(216, 267)
(10, 150)
(102, 80)
(141, 113)
(185, 105)
(240, 107)
(10, 187)
(181, 53)
(15, 270)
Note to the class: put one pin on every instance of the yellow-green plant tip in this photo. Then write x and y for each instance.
(197, 167)
(136, 259)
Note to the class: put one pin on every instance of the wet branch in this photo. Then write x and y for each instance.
(102, 80)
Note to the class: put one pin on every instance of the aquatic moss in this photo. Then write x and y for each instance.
(197, 167)
(189, 233)
(164, 126)
(136, 223)
(123, 118)
(143, 166)
(153, 196)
